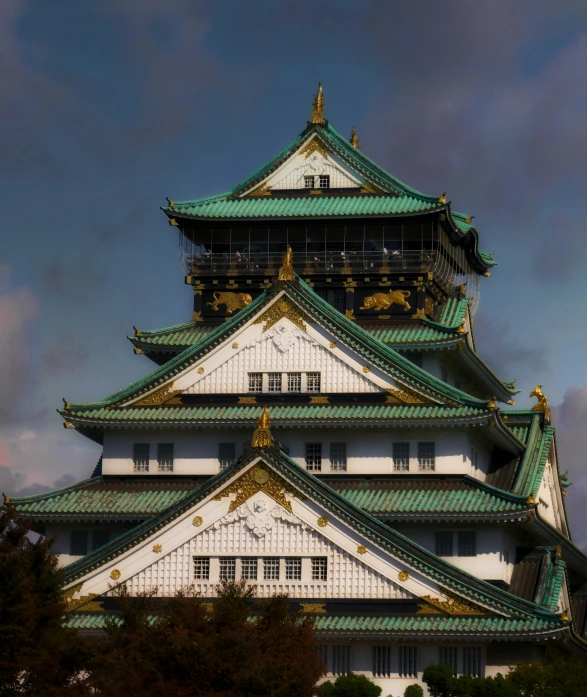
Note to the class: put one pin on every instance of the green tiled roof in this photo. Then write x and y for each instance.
(538, 444)
(452, 314)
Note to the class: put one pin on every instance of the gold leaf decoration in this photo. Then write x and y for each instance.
(115, 574)
(283, 307)
(403, 575)
(319, 399)
(451, 604)
(247, 400)
(197, 521)
(313, 608)
(262, 190)
(403, 396)
(157, 549)
(315, 145)
(322, 521)
(158, 397)
(361, 549)
(252, 481)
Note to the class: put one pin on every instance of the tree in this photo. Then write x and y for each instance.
(441, 682)
(413, 691)
(558, 675)
(349, 685)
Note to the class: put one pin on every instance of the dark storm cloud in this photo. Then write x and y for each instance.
(12, 483)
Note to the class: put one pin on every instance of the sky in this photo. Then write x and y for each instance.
(108, 107)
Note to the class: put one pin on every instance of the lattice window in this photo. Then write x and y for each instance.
(381, 661)
(467, 543)
(313, 457)
(408, 667)
(294, 382)
(426, 456)
(271, 568)
(165, 457)
(401, 457)
(140, 457)
(293, 569)
(255, 382)
(202, 568)
(340, 663)
(443, 546)
(249, 568)
(319, 568)
(228, 568)
(100, 538)
(323, 653)
(325, 181)
(308, 182)
(449, 656)
(472, 661)
(274, 382)
(78, 543)
(313, 382)
(338, 457)
(226, 454)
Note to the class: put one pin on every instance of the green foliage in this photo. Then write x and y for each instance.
(413, 691)
(349, 685)
(441, 682)
(558, 675)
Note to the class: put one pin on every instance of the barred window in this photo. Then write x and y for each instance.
(338, 457)
(426, 456)
(274, 382)
(249, 568)
(313, 382)
(408, 662)
(228, 568)
(340, 663)
(467, 541)
(226, 454)
(313, 457)
(449, 655)
(381, 661)
(325, 181)
(293, 569)
(165, 457)
(100, 538)
(338, 300)
(323, 653)
(271, 569)
(443, 543)
(472, 661)
(202, 568)
(140, 457)
(78, 543)
(401, 457)
(294, 382)
(255, 382)
(308, 182)
(319, 568)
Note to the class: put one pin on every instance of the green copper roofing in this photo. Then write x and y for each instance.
(538, 444)
(452, 314)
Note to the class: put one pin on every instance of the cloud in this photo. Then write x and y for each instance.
(65, 355)
(13, 483)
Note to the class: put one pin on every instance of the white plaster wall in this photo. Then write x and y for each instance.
(546, 499)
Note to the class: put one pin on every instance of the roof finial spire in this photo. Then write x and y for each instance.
(354, 139)
(262, 435)
(318, 106)
(542, 401)
(286, 272)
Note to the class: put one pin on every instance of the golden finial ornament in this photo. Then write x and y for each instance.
(318, 106)
(542, 401)
(6, 499)
(262, 435)
(286, 272)
(442, 198)
(469, 219)
(354, 139)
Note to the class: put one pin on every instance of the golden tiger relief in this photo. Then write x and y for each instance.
(233, 301)
(382, 301)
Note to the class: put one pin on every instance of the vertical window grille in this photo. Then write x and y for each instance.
(313, 457)
(140, 457)
(294, 382)
(308, 182)
(165, 457)
(426, 456)
(293, 569)
(255, 382)
(228, 568)
(472, 661)
(319, 568)
(341, 660)
(323, 653)
(448, 655)
(338, 300)
(325, 181)
(474, 458)
(338, 457)
(271, 569)
(226, 454)
(249, 568)
(313, 382)
(78, 543)
(274, 382)
(467, 543)
(202, 568)
(100, 538)
(401, 457)
(407, 662)
(443, 543)
(381, 661)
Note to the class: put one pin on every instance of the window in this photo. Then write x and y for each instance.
(336, 298)
(274, 382)
(407, 662)
(448, 655)
(338, 457)
(313, 457)
(228, 568)
(79, 543)
(255, 382)
(341, 660)
(313, 382)
(308, 182)
(401, 457)
(140, 457)
(165, 457)
(271, 569)
(226, 454)
(319, 568)
(467, 543)
(472, 661)
(323, 653)
(249, 568)
(293, 569)
(294, 382)
(100, 538)
(474, 459)
(443, 543)
(202, 568)
(426, 456)
(381, 661)
(324, 181)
